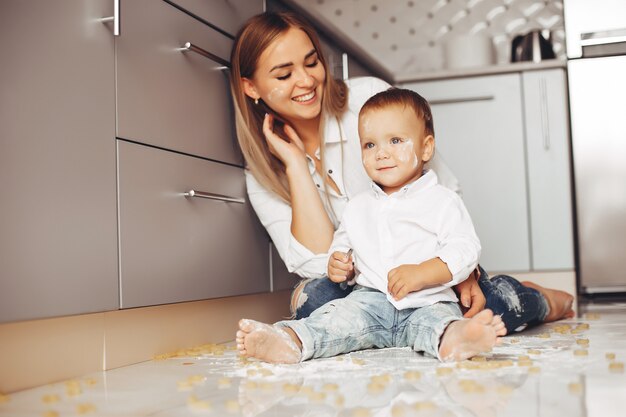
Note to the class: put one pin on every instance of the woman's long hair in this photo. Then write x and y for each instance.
(251, 40)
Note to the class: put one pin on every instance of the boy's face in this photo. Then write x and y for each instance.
(394, 146)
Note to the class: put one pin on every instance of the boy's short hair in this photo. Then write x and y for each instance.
(403, 97)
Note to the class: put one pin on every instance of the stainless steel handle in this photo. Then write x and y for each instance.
(115, 18)
(344, 66)
(461, 100)
(603, 37)
(188, 46)
(212, 196)
(545, 117)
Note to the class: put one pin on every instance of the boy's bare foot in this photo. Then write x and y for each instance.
(465, 338)
(267, 343)
(560, 302)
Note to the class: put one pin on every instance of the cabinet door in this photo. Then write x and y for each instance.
(549, 184)
(227, 15)
(281, 278)
(479, 132)
(168, 97)
(58, 245)
(175, 248)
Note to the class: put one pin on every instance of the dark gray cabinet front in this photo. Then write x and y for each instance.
(170, 97)
(58, 238)
(176, 248)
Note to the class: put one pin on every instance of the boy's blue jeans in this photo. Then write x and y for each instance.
(518, 305)
(366, 319)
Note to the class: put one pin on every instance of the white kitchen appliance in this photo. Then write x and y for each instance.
(596, 50)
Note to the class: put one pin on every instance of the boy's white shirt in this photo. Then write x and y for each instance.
(423, 220)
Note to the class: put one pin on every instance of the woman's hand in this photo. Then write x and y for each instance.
(289, 152)
(340, 267)
(470, 294)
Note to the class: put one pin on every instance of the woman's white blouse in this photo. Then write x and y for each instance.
(342, 157)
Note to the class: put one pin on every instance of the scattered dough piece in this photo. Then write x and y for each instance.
(526, 362)
(523, 357)
(291, 388)
(592, 316)
(4, 398)
(398, 411)
(610, 356)
(443, 370)
(544, 335)
(361, 412)
(232, 406)
(252, 372)
(534, 352)
(184, 385)
(471, 387)
(582, 342)
(50, 399)
(85, 408)
(50, 413)
(575, 388)
(412, 375)
(339, 401)
(224, 383)
(424, 406)
(583, 326)
(330, 387)
(478, 359)
(513, 340)
(534, 370)
(504, 389)
(616, 367)
(266, 372)
(581, 352)
(250, 385)
(376, 387)
(266, 386)
(358, 361)
(196, 379)
(317, 397)
(195, 404)
(382, 379)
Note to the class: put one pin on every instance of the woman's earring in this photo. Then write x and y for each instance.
(256, 101)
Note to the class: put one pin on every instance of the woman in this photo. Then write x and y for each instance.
(297, 128)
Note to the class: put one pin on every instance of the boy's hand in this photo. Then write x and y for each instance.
(340, 267)
(403, 280)
(410, 277)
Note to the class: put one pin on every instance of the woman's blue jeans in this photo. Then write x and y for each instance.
(518, 305)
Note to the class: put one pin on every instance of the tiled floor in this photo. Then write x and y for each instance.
(570, 368)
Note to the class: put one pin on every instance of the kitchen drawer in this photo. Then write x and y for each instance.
(167, 97)
(175, 248)
(228, 15)
(282, 279)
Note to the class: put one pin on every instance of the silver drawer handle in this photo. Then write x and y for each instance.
(115, 18)
(212, 196)
(603, 37)
(460, 100)
(188, 46)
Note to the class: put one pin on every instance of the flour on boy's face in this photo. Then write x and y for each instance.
(393, 146)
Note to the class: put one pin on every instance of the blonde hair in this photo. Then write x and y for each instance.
(251, 40)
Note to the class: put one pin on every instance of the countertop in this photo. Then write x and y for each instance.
(477, 71)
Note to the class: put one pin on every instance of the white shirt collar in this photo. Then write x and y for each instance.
(427, 180)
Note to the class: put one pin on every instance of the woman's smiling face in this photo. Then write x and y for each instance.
(289, 77)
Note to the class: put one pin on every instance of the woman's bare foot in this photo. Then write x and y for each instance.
(267, 343)
(465, 338)
(560, 302)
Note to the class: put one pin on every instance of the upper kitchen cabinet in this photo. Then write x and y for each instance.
(172, 82)
(224, 15)
(58, 246)
(506, 138)
(549, 171)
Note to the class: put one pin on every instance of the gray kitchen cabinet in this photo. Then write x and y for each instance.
(549, 179)
(169, 97)
(178, 248)
(282, 279)
(58, 246)
(506, 138)
(479, 130)
(226, 15)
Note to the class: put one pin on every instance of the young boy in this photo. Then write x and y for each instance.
(412, 240)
